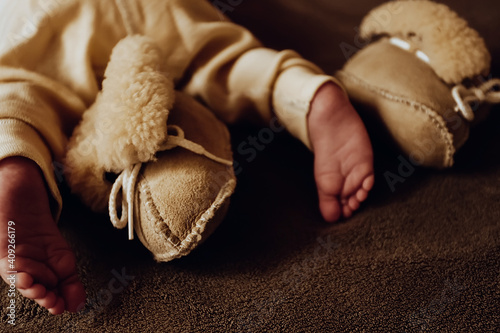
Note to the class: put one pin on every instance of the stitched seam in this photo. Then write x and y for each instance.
(428, 111)
(185, 246)
(190, 240)
(160, 226)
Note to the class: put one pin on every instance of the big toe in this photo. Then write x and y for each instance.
(330, 208)
(73, 294)
(329, 186)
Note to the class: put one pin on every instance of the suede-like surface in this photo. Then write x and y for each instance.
(181, 191)
(421, 255)
(409, 100)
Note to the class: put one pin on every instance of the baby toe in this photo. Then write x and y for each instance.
(361, 195)
(34, 271)
(73, 294)
(368, 183)
(24, 280)
(36, 291)
(48, 301)
(347, 212)
(58, 308)
(353, 203)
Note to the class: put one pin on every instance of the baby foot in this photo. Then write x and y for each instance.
(45, 264)
(343, 161)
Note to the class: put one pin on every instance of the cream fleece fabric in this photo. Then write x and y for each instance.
(53, 54)
(125, 126)
(455, 50)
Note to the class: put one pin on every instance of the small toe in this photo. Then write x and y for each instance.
(361, 195)
(347, 212)
(24, 280)
(58, 308)
(48, 301)
(368, 183)
(36, 271)
(74, 295)
(353, 203)
(36, 291)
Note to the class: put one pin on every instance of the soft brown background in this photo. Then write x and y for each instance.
(425, 257)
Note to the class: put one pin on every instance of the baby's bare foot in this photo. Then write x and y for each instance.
(45, 264)
(343, 161)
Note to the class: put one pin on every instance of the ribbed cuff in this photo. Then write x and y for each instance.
(20, 139)
(293, 93)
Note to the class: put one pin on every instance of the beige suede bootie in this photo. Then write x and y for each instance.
(422, 78)
(171, 156)
(182, 196)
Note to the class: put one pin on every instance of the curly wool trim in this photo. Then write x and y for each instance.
(127, 123)
(455, 50)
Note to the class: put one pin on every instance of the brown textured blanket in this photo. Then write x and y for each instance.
(423, 256)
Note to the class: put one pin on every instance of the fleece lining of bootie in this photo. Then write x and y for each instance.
(455, 50)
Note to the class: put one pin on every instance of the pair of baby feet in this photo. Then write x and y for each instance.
(45, 264)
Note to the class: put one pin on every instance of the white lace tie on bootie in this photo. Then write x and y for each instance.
(488, 92)
(127, 180)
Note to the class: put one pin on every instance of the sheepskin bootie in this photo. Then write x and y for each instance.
(171, 157)
(422, 78)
